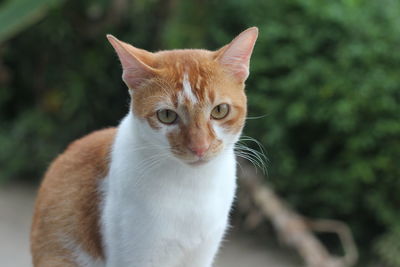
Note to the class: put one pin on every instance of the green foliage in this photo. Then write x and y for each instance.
(325, 79)
(325, 76)
(16, 15)
(330, 87)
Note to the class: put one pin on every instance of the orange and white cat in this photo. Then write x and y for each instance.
(157, 190)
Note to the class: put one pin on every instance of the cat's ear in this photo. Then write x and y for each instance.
(235, 56)
(136, 63)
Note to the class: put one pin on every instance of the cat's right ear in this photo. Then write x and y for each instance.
(136, 63)
(235, 56)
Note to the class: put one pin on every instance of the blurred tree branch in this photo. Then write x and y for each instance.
(295, 230)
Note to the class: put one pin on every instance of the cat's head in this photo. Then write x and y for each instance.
(192, 101)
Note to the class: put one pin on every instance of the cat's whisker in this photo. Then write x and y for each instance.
(257, 117)
(152, 147)
(250, 159)
(147, 164)
(249, 138)
(240, 165)
(257, 158)
(261, 153)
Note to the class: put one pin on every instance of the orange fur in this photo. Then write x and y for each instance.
(68, 201)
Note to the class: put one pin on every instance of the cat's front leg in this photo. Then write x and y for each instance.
(151, 255)
(204, 254)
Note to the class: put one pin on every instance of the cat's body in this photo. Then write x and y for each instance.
(183, 209)
(157, 190)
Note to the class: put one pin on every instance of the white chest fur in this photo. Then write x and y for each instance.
(161, 212)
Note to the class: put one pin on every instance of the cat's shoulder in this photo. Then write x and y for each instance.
(72, 181)
(98, 140)
(91, 152)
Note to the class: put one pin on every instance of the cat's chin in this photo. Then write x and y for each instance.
(198, 162)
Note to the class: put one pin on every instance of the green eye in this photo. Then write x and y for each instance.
(167, 116)
(220, 111)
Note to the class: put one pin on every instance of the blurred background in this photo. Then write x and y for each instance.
(324, 98)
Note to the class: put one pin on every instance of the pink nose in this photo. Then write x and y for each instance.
(199, 149)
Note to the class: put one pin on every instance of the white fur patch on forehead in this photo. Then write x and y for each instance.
(187, 89)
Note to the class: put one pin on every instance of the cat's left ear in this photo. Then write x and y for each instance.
(235, 56)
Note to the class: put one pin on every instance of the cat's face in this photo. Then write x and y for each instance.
(192, 101)
(193, 104)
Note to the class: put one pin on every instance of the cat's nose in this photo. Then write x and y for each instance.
(199, 149)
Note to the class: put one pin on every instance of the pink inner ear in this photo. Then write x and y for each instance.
(134, 70)
(236, 56)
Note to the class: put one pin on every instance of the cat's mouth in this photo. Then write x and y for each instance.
(198, 161)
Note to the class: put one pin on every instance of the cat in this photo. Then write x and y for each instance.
(157, 190)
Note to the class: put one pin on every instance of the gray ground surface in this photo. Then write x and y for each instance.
(16, 204)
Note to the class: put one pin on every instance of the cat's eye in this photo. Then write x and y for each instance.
(220, 111)
(167, 116)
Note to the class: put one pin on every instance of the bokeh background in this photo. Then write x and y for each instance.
(324, 93)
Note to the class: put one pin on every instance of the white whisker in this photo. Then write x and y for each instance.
(257, 158)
